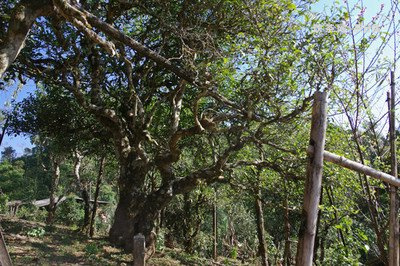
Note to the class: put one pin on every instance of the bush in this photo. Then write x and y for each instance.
(91, 250)
(70, 212)
(32, 213)
(234, 253)
(3, 203)
(36, 232)
(28, 212)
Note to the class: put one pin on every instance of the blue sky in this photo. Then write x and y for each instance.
(6, 96)
(21, 142)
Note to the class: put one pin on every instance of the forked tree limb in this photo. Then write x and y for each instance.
(20, 24)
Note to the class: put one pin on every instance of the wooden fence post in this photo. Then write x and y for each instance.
(5, 259)
(139, 245)
(307, 232)
(394, 205)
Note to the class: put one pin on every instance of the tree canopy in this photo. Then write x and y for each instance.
(197, 97)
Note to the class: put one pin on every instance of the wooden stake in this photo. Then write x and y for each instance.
(305, 247)
(5, 259)
(139, 245)
(394, 206)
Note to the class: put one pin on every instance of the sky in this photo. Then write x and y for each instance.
(379, 105)
(21, 142)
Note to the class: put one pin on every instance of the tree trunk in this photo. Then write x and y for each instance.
(53, 189)
(191, 225)
(130, 197)
(136, 211)
(329, 193)
(84, 192)
(215, 230)
(287, 257)
(137, 208)
(262, 250)
(133, 217)
(86, 217)
(394, 200)
(96, 194)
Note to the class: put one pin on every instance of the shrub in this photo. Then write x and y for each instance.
(28, 212)
(3, 203)
(36, 232)
(70, 212)
(91, 250)
(234, 253)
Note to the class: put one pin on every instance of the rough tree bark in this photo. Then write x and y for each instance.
(127, 211)
(137, 211)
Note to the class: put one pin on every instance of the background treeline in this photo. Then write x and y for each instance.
(345, 235)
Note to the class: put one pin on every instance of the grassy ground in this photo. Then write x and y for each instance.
(32, 243)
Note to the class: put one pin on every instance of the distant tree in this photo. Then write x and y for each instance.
(27, 151)
(8, 154)
(12, 180)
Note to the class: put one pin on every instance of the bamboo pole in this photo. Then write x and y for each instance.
(393, 220)
(358, 167)
(307, 232)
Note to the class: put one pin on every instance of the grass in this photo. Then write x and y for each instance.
(34, 243)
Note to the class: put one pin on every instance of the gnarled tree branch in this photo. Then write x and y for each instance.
(20, 24)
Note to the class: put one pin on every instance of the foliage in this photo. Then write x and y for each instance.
(70, 212)
(13, 181)
(37, 232)
(206, 104)
(91, 250)
(3, 202)
(8, 154)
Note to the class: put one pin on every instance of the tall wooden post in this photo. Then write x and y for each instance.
(5, 259)
(307, 232)
(139, 245)
(393, 220)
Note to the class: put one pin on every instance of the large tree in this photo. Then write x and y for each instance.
(171, 81)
